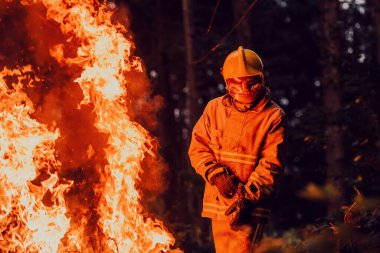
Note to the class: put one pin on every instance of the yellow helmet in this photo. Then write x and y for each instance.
(242, 63)
(243, 73)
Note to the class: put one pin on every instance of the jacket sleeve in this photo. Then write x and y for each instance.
(201, 156)
(270, 167)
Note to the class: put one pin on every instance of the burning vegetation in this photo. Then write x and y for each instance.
(70, 153)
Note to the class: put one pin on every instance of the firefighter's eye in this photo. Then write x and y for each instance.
(256, 80)
(252, 85)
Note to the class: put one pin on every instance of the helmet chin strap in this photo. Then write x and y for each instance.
(241, 107)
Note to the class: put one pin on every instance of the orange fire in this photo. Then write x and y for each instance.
(26, 151)
(34, 215)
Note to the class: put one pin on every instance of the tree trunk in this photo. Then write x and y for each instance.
(374, 7)
(243, 32)
(191, 111)
(192, 96)
(332, 93)
(166, 115)
(375, 12)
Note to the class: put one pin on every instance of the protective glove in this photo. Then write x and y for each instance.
(239, 213)
(250, 191)
(221, 176)
(245, 210)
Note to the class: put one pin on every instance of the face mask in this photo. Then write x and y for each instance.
(245, 89)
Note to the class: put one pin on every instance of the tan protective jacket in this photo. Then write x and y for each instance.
(251, 143)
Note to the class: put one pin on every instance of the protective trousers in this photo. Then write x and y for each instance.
(227, 240)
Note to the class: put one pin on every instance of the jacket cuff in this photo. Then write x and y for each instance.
(263, 189)
(203, 167)
(214, 170)
(252, 189)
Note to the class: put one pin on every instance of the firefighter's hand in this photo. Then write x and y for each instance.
(239, 213)
(253, 191)
(250, 191)
(221, 176)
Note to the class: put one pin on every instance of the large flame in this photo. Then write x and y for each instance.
(27, 222)
(33, 213)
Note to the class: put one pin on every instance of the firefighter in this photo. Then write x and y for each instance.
(238, 147)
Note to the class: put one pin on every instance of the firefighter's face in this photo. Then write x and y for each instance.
(245, 89)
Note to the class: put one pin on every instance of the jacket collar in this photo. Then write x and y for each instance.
(263, 101)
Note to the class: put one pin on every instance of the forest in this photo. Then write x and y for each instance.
(322, 64)
(321, 61)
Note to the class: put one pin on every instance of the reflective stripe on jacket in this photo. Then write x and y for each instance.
(251, 143)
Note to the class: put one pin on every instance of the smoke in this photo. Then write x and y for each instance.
(143, 108)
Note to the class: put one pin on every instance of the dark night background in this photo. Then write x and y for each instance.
(322, 62)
